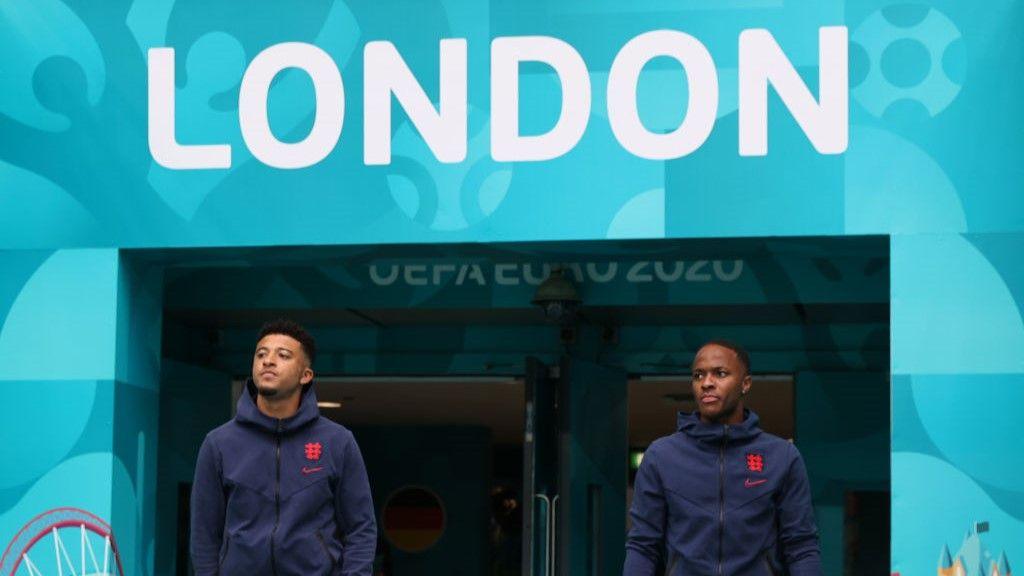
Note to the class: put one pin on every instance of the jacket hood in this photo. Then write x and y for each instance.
(248, 413)
(690, 424)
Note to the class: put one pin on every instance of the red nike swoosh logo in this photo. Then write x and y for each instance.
(751, 483)
(311, 470)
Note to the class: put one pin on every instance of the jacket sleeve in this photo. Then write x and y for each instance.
(798, 532)
(353, 507)
(207, 511)
(648, 513)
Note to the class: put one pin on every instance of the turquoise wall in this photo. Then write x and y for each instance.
(931, 161)
(80, 341)
(957, 373)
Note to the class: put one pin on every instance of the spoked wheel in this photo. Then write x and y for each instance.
(63, 541)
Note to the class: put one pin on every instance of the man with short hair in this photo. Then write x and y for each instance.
(721, 497)
(281, 490)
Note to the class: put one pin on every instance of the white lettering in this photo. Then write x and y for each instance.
(507, 145)
(762, 62)
(719, 267)
(386, 73)
(609, 274)
(634, 274)
(329, 94)
(500, 275)
(694, 274)
(702, 82)
(413, 272)
(477, 274)
(534, 279)
(388, 280)
(163, 145)
(443, 127)
(676, 274)
(439, 270)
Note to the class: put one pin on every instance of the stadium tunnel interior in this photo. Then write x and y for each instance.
(473, 407)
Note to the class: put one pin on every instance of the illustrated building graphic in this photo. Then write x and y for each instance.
(973, 558)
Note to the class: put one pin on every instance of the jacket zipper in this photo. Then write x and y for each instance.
(224, 556)
(721, 499)
(768, 565)
(327, 551)
(277, 500)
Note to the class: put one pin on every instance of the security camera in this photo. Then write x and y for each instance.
(558, 298)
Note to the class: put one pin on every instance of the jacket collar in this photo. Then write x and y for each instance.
(248, 413)
(691, 425)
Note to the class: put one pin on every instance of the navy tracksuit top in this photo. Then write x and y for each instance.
(281, 497)
(717, 500)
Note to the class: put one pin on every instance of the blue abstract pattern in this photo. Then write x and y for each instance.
(932, 162)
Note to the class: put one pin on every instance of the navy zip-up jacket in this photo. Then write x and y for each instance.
(722, 500)
(281, 497)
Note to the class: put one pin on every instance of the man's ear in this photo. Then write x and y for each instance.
(307, 376)
(747, 382)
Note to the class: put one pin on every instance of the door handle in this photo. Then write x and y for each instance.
(547, 533)
(552, 549)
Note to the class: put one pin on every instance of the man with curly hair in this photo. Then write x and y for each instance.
(280, 489)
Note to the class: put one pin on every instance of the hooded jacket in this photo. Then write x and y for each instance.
(725, 500)
(281, 497)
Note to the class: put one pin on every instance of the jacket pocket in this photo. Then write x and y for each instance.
(327, 551)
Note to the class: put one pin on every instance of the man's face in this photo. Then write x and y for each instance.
(719, 382)
(279, 366)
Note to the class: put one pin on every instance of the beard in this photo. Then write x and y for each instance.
(267, 392)
(277, 393)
